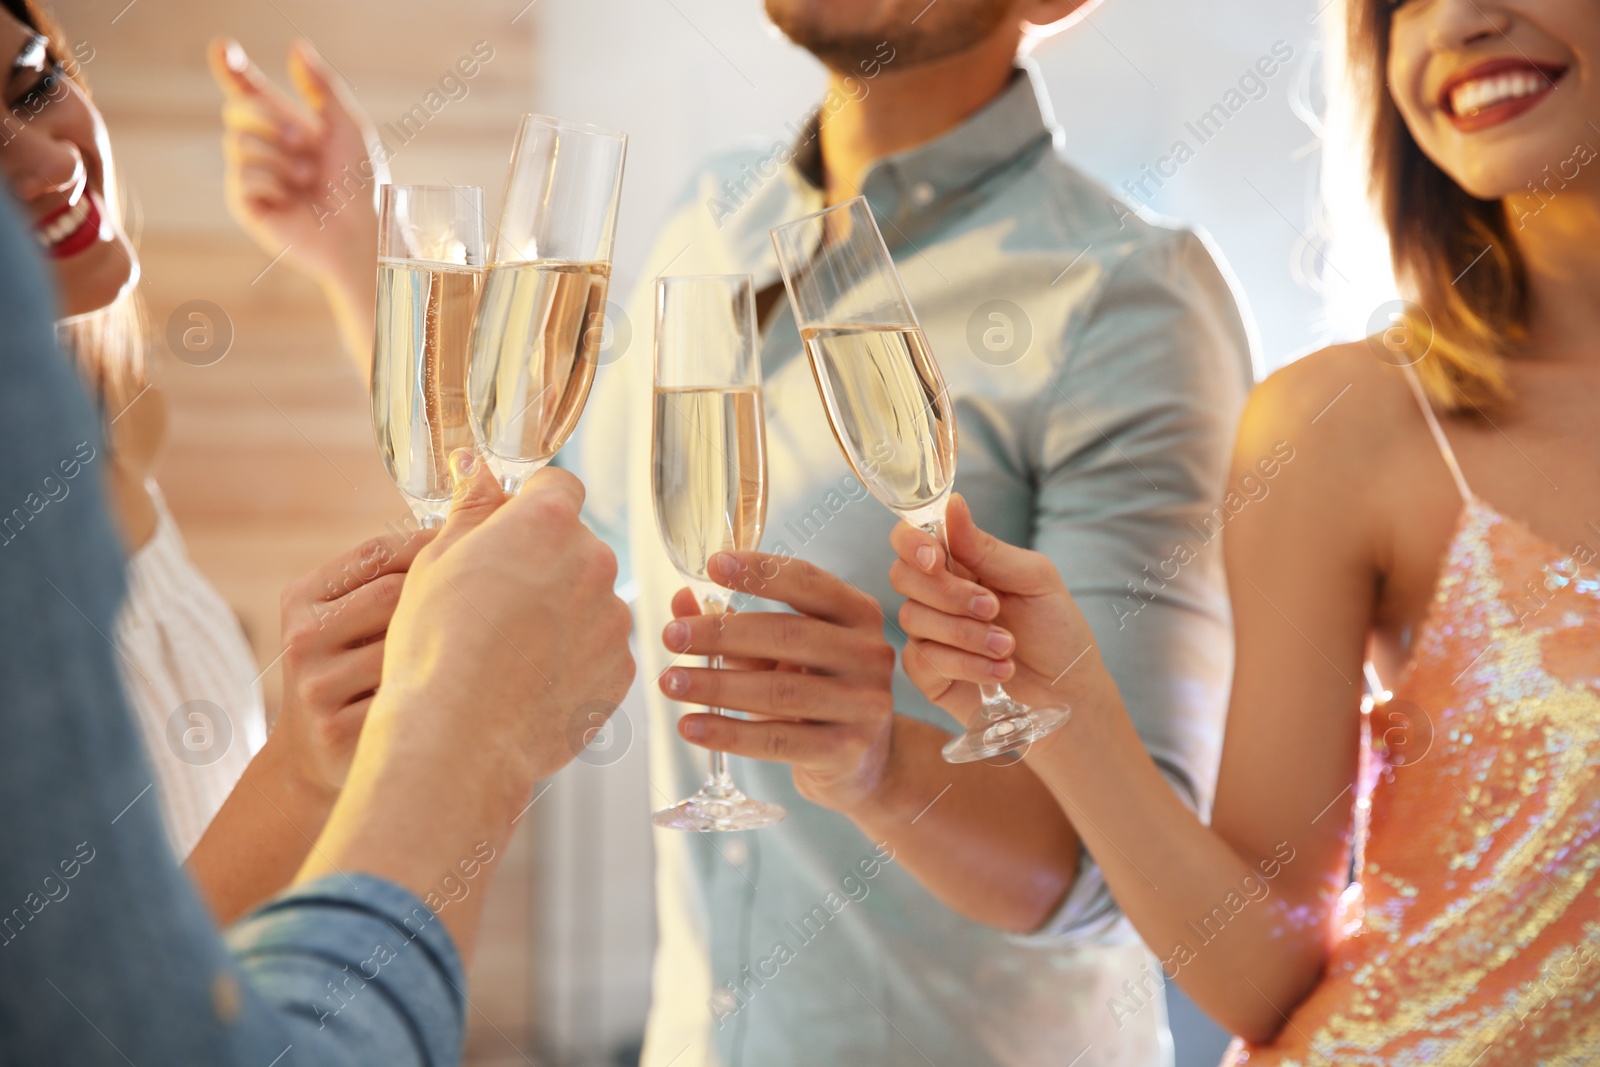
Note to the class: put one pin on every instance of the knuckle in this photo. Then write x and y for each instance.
(386, 590)
(372, 551)
(786, 693)
(778, 745)
(552, 511)
(294, 663)
(316, 692)
(300, 637)
(604, 563)
(621, 621)
(788, 630)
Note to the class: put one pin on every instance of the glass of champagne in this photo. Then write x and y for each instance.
(541, 321)
(430, 269)
(709, 473)
(888, 406)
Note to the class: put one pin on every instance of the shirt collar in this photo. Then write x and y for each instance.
(921, 179)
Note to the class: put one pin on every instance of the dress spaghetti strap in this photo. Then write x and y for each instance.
(1438, 433)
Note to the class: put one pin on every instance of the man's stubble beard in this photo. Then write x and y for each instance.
(944, 29)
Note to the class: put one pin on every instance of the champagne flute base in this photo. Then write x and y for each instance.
(719, 809)
(997, 736)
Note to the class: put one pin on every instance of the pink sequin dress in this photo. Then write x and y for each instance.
(1480, 867)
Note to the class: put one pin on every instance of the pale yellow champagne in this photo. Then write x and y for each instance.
(710, 473)
(889, 409)
(534, 351)
(419, 376)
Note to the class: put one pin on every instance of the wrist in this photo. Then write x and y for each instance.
(292, 784)
(351, 280)
(895, 798)
(422, 731)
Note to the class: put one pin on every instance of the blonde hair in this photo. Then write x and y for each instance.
(1454, 256)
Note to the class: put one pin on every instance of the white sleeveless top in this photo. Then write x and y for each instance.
(191, 680)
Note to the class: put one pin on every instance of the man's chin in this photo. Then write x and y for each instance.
(844, 34)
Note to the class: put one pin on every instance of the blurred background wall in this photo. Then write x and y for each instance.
(272, 469)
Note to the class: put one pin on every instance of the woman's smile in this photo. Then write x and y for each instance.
(72, 228)
(1497, 91)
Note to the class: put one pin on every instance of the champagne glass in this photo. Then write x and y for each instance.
(541, 320)
(888, 406)
(430, 269)
(709, 472)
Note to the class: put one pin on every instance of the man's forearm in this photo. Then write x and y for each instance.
(989, 841)
(393, 821)
(260, 837)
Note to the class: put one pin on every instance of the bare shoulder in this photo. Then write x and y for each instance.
(1352, 442)
(1346, 409)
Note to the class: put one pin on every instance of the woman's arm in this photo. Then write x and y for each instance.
(334, 624)
(1240, 913)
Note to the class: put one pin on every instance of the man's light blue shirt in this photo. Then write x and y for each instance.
(1098, 363)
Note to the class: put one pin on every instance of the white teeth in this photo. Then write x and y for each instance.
(66, 225)
(1477, 95)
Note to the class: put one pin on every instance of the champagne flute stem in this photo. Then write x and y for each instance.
(720, 781)
(997, 703)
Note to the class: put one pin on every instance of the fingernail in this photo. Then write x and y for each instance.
(675, 682)
(301, 169)
(693, 729)
(725, 564)
(984, 605)
(927, 557)
(463, 460)
(234, 56)
(291, 134)
(999, 642)
(676, 636)
(1000, 668)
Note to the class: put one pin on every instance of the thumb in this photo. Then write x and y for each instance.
(993, 563)
(476, 495)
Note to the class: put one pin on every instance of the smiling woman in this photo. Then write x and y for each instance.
(1449, 173)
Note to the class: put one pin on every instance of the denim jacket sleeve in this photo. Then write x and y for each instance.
(107, 955)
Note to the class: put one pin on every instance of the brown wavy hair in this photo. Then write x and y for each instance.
(107, 345)
(1453, 254)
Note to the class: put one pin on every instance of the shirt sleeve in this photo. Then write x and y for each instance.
(1132, 454)
(107, 955)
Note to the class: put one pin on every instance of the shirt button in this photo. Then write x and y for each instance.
(922, 194)
(225, 997)
(736, 852)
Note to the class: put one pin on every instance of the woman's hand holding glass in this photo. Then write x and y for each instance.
(998, 613)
